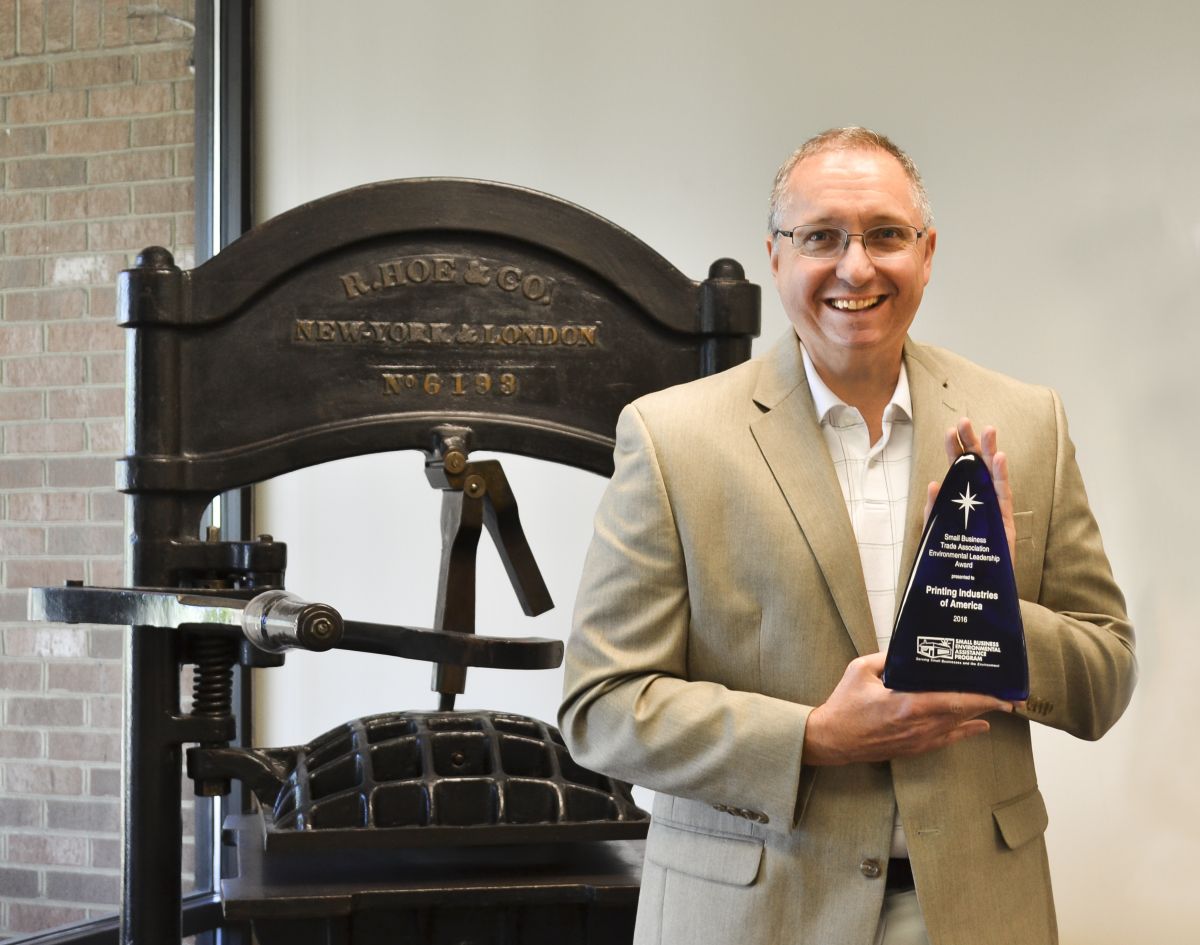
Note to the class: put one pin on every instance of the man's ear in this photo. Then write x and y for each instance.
(931, 245)
(771, 253)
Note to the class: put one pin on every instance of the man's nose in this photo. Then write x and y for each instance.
(855, 266)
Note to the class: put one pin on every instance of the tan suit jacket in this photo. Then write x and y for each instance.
(723, 597)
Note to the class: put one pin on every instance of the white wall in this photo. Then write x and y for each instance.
(1059, 143)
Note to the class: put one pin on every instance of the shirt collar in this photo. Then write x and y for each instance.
(826, 401)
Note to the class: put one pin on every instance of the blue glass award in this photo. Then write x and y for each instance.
(959, 627)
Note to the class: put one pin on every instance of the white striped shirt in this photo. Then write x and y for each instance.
(874, 481)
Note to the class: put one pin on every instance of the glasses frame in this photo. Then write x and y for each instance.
(790, 234)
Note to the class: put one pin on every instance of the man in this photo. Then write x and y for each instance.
(741, 586)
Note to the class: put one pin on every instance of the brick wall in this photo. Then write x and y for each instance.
(96, 134)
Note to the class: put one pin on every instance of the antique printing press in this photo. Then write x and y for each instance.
(446, 316)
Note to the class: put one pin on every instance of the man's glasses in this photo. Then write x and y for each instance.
(829, 242)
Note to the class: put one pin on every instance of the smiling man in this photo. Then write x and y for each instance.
(741, 587)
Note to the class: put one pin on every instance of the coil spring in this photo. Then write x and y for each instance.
(212, 685)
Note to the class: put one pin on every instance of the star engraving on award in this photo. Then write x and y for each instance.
(959, 625)
(967, 503)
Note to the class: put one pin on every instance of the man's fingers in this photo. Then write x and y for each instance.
(953, 446)
(967, 729)
(931, 492)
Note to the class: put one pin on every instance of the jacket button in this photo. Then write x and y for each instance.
(870, 869)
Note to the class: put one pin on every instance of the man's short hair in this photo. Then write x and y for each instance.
(853, 138)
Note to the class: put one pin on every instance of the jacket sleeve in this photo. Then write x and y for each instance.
(1080, 644)
(629, 707)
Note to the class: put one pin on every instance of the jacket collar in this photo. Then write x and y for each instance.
(790, 440)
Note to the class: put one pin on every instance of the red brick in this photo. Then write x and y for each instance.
(115, 29)
(130, 100)
(36, 173)
(103, 302)
(46, 304)
(93, 71)
(8, 30)
(106, 573)
(166, 197)
(106, 854)
(87, 472)
(48, 713)
(164, 64)
(35, 917)
(92, 202)
(86, 746)
(47, 506)
(24, 675)
(44, 572)
(175, 128)
(88, 137)
(60, 26)
(20, 405)
(105, 712)
(20, 744)
(66, 205)
(107, 643)
(185, 161)
(43, 779)
(56, 437)
(22, 142)
(87, 402)
(132, 166)
(86, 540)
(45, 239)
(21, 812)
(93, 816)
(106, 507)
(43, 107)
(132, 234)
(106, 368)
(19, 884)
(83, 678)
(22, 541)
(185, 96)
(31, 21)
(87, 25)
(20, 339)
(24, 77)
(84, 270)
(19, 273)
(48, 850)
(43, 372)
(83, 887)
(21, 473)
(85, 337)
(143, 27)
(103, 782)
(20, 208)
(13, 606)
(106, 436)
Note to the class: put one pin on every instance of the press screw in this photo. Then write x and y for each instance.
(454, 461)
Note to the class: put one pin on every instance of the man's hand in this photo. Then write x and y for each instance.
(863, 720)
(963, 439)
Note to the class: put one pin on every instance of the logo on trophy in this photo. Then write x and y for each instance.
(959, 626)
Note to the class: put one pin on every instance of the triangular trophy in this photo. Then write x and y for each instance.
(959, 627)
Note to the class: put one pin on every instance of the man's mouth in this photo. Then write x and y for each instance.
(855, 305)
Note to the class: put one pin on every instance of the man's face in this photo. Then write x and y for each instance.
(851, 311)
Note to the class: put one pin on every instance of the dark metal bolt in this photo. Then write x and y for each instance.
(458, 759)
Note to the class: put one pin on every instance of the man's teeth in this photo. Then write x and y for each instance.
(855, 305)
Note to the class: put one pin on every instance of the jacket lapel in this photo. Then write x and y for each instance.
(790, 440)
(936, 408)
